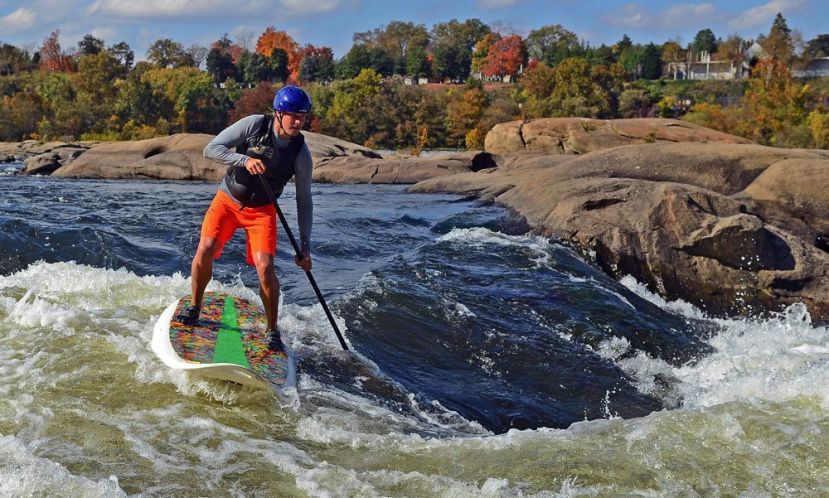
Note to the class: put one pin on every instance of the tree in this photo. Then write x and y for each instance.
(552, 44)
(364, 57)
(123, 54)
(672, 51)
(198, 53)
(576, 91)
(418, 63)
(352, 97)
(253, 68)
(396, 40)
(704, 41)
(731, 49)
(165, 52)
(13, 60)
(818, 46)
(52, 57)
(505, 57)
(317, 64)
(651, 62)
(452, 44)
(219, 65)
(465, 111)
(778, 43)
(90, 45)
(278, 64)
(773, 103)
(256, 100)
(272, 39)
(481, 51)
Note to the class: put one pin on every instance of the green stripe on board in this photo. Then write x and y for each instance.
(229, 347)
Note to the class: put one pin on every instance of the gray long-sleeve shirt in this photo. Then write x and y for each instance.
(222, 149)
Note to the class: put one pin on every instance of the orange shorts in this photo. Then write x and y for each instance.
(224, 217)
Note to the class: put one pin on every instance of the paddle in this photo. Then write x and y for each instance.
(299, 254)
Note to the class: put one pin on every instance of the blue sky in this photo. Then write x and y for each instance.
(333, 22)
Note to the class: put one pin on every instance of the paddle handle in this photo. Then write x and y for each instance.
(299, 254)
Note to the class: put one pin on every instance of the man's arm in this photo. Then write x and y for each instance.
(304, 203)
(222, 149)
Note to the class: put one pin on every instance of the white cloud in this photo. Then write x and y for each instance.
(496, 4)
(170, 8)
(308, 7)
(682, 15)
(19, 20)
(763, 14)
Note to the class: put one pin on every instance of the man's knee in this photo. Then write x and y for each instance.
(207, 250)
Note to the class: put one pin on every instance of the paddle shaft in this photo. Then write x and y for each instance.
(299, 254)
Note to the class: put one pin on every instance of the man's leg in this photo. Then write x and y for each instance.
(201, 271)
(268, 286)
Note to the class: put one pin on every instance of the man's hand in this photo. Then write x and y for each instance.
(305, 262)
(254, 166)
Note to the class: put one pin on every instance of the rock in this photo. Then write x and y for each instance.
(728, 227)
(795, 188)
(175, 157)
(180, 157)
(47, 163)
(583, 135)
(399, 170)
(322, 146)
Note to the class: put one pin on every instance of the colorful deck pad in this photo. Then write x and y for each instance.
(231, 330)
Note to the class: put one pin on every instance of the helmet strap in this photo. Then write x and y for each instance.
(279, 119)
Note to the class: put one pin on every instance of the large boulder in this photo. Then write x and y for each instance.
(49, 153)
(583, 135)
(48, 162)
(732, 228)
(399, 170)
(176, 157)
(180, 157)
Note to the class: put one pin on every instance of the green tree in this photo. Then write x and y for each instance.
(346, 118)
(317, 64)
(278, 63)
(818, 46)
(576, 91)
(89, 45)
(220, 65)
(452, 44)
(417, 63)
(124, 55)
(13, 60)
(165, 52)
(395, 39)
(704, 41)
(651, 62)
(552, 44)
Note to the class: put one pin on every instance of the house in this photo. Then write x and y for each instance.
(819, 66)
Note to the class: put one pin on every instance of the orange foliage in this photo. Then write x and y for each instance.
(272, 39)
(505, 57)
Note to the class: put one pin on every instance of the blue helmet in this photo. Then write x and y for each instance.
(291, 99)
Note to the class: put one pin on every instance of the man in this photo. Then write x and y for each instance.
(253, 146)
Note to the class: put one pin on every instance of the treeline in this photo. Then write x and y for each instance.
(95, 91)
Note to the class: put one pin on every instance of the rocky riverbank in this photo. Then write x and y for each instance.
(730, 226)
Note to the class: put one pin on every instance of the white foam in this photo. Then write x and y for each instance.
(24, 474)
(479, 237)
(776, 359)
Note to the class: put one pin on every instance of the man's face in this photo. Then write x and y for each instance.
(292, 122)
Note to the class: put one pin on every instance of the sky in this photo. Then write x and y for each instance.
(332, 23)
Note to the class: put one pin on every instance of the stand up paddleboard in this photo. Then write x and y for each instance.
(229, 343)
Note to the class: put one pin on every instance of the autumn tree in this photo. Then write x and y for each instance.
(52, 57)
(345, 118)
(506, 57)
(577, 90)
(256, 100)
(480, 51)
(537, 86)
(272, 39)
(465, 110)
(773, 103)
(778, 43)
(732, 49)
(13, 60)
